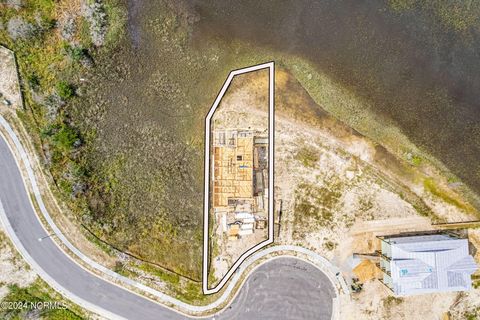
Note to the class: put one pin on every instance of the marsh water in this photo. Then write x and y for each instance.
(414, 69)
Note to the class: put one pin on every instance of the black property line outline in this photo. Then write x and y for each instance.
(271, 128)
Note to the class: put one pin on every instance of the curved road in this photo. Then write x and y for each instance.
(284, 288)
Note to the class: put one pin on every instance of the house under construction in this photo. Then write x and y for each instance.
(240, 174)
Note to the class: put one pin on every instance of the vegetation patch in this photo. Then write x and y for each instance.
(65, 90)
(166, 276)
(329, 245)
(391, 301)
(307, 157)
(434, 189)
(472, 314)
(316, 203)
(37, 294)
(476, 281)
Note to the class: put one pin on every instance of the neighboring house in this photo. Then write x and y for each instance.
(426, 263)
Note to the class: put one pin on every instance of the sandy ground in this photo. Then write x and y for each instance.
(375, 302)
(9, 88)
(13, 270)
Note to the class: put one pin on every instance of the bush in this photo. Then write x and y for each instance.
(416, 160)
(74, 52)
(79, 54)
(65, 90)
(66, 138)
(33, 81)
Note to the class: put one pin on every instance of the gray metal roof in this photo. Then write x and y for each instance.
(433, 263)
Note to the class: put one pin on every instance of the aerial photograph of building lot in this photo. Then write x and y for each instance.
(225, 159)
(239, 175)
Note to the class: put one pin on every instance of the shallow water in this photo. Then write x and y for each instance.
(413, 69)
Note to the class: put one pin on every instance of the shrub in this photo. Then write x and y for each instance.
(74, 52)
(66, 138)
(65, 90)
(33, 81)
(416, 160)
(79, 54)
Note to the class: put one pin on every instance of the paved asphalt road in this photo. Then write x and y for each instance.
(283, 288)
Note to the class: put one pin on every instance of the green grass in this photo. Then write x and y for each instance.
(168, 277)
(116, 19)
(37, 293)
(193, 292)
